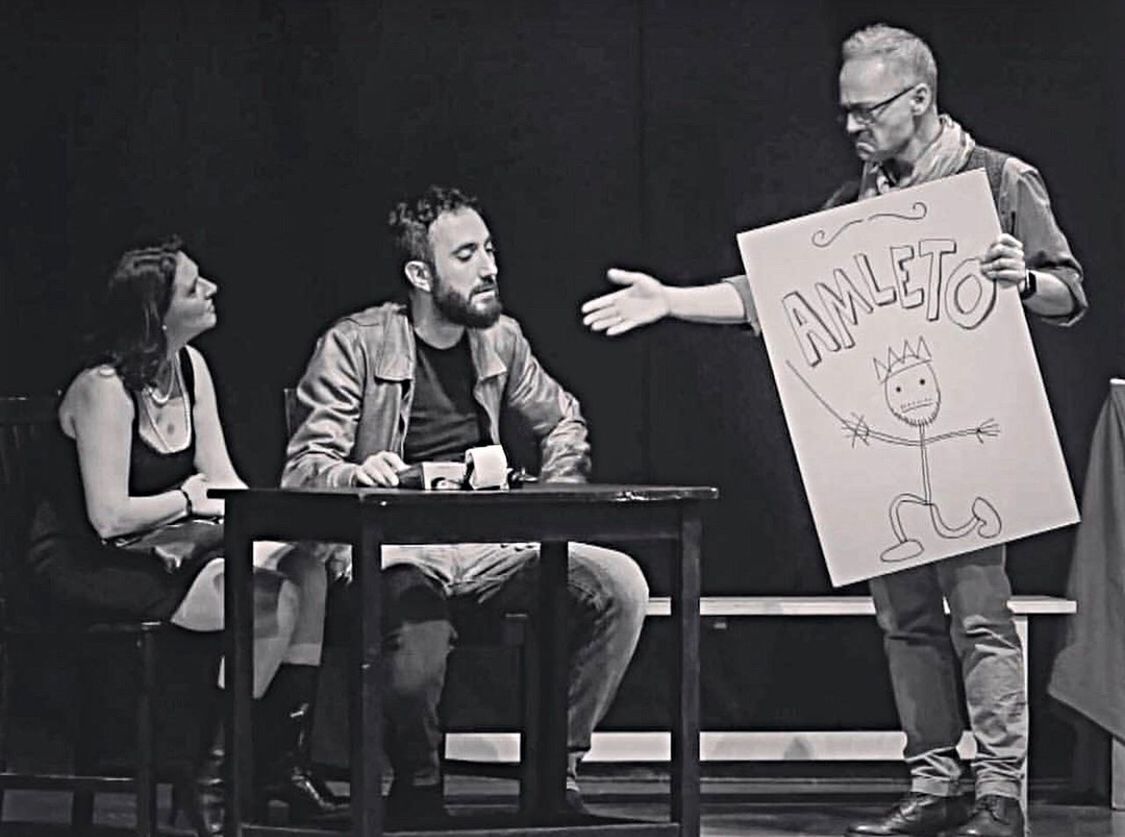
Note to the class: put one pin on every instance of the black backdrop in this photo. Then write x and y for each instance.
(273, 136)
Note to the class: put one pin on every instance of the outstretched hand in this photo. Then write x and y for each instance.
(857, 429)
(988, 427)
(641, 301)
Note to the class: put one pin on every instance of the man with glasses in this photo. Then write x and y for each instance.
(888, 106)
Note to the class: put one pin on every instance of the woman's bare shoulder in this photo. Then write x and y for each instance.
(97, 390)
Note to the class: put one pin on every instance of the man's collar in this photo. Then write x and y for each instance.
(396, 361)
(482, 344)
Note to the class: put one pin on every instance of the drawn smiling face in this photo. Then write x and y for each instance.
(913, 395)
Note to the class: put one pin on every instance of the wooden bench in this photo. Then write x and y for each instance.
(843, 745)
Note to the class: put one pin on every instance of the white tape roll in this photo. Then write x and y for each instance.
(488, 466)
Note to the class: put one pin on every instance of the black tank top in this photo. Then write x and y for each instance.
(152, 471)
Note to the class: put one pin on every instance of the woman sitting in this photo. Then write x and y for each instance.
(131, 538)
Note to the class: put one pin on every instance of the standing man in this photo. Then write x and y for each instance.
(888, 106)
(404, 383)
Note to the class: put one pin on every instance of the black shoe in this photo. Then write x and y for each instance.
(415, 807)
(304, 750)
(917, 813)
(283, 726)
(320, 786)
(993, 816)
(301, 792)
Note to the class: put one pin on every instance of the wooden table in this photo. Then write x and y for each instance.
(552, 514)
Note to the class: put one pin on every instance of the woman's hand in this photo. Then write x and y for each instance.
(196, 487)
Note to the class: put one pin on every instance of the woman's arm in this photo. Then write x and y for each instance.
(98, 413)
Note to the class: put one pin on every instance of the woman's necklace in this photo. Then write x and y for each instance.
(150, 414)
(154, 394)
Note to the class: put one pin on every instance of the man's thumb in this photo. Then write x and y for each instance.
(623, 277)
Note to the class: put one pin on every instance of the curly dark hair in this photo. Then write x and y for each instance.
(410, 220)
(130, 336)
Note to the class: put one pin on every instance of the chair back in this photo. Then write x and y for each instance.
(29, 430)
(292, 411)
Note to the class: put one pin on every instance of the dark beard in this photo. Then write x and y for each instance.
(459, 310)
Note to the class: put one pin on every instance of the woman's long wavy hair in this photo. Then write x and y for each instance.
(130, 336)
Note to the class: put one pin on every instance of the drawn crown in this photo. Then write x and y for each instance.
(897, 361)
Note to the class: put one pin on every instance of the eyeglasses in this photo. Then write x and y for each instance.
(867, 114)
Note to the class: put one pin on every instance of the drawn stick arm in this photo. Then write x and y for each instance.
(985, 429)
(860, 430)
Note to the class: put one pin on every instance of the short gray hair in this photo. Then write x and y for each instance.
(893, 44)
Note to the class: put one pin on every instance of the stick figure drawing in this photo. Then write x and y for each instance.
(913, 396)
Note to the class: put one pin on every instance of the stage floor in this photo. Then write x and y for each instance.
(28, 814)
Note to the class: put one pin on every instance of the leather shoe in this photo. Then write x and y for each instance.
(993, 816)
(916, 813)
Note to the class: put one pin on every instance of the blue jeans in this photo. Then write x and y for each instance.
(607, 594)
(924, 653)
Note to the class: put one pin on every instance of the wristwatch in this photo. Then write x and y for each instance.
(1027, 286)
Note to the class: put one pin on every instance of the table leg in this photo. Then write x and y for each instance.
(1020, 622)
(365, 683)
(238, 647)
(554, 667)
(531, 741)
(685, 721)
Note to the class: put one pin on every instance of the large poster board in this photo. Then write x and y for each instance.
(909, 382)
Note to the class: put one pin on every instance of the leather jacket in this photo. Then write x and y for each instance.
(355, 396)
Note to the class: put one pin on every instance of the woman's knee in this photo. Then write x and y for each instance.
(202, 606)
(276, 599)
(288, 601)
(305, 568)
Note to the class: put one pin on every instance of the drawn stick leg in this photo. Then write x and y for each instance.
(906, 548)
(989, 519)
(985, 520)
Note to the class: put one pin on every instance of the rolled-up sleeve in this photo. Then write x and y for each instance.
(742, 285)
(330, 398)
(1025, 212)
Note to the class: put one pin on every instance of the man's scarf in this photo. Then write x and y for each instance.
(946, 155)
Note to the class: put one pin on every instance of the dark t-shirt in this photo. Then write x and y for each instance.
(445, 419)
